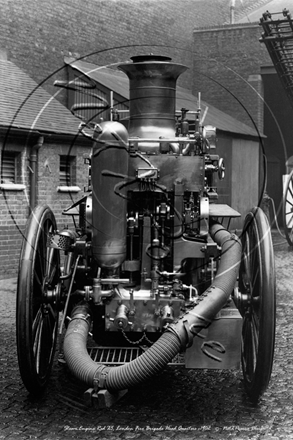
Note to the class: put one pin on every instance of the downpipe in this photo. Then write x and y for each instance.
(33, 172)
(177, 337)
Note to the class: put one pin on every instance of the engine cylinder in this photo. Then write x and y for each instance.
(109, 164)
(152, 81)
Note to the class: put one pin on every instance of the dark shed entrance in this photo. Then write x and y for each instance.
(278, 127)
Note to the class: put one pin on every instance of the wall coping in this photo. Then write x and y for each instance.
(223, 27)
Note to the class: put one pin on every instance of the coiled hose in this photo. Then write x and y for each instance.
(178, 335)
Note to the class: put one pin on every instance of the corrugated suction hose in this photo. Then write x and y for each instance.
(177, 337)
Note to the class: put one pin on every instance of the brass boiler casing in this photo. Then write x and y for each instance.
(109, 163)
(152, 83)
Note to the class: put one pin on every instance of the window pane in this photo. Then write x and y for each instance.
(8, 167)
(65, 170)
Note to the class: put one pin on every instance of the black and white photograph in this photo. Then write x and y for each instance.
(146, 219)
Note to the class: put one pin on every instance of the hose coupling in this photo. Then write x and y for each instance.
(100, 377)
(183, 333)
(232, 237)
(82, 311)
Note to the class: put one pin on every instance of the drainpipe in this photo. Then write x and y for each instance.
(33, 170)
(232, 11)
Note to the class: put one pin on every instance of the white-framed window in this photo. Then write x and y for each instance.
(9, 166)
(10, 171)
(67, 174)
(67, 170)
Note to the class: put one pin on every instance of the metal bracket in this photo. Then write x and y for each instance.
(102, 398)
(147, 173)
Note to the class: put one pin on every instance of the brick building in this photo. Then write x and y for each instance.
(37, 34)
(41, 158)
(237, 75)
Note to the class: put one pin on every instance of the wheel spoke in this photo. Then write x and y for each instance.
(290, 189)
(289, 203)
(39, 265)
(250, 343)
(254, 254)
(36, 337)
(51, 269)
(246, 269)
(254, 345)
(37, 279)
(255, 282)
(289, 222)
(45, 249)
(51, 274)
(37, 294)
(255, 325)
(44, 334)
(287, 209)
(248, 349)
(49, 252)
(47, 339)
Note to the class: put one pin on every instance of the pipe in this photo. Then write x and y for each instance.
(177, 337)
(33, 175)
(232, 11)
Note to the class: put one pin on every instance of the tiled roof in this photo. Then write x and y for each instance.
(210, 13)
(24, 105)
(118, 82)
(247, 7)
(272, 6)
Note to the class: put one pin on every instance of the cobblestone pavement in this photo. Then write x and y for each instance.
(176, 404)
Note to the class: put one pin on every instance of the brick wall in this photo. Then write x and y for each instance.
(37, 34)
(227, 69)
(14, 205)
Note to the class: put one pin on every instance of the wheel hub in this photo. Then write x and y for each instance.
(242, 300)
(50, 295)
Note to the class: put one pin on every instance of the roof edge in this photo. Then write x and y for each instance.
(9, 131)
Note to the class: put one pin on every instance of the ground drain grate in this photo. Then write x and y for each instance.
(123, 355)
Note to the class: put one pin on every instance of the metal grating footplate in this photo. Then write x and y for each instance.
(123, 355)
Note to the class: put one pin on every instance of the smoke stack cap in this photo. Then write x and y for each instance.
(150, 57)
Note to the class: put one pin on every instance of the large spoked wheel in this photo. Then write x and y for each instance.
(37, 301)
(288, 209)
(258, 303)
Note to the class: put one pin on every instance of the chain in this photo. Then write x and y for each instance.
(147, 339)
(144, 336)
